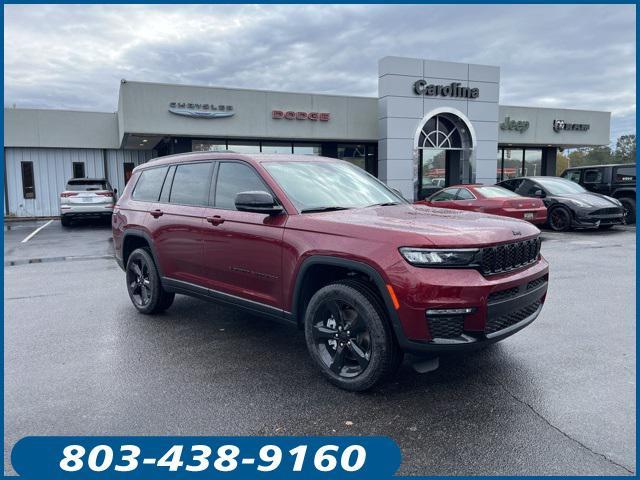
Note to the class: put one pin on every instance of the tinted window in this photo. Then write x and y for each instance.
(191, 184)
(464, 194)
(528, 188)
(573, 175)
(87, 185)
(593, 176)
(149, 185)
(511, 184)
(166, 187)
(625, 175)
(28, 180)
(444, 195)
(234, 178)
(78, 170)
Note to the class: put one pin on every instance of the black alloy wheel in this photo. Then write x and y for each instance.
(143, 283)
(560, 219)
(629, 205)
(342, 338)
(139, 282)
(349, 336)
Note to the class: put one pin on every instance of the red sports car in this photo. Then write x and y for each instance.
(489, 199)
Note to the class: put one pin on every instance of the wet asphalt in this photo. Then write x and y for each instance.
(556, 398)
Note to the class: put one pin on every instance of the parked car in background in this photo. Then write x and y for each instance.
(489, 199)
(86, 198)
(322, 244)
(568, 204)
(617, 181)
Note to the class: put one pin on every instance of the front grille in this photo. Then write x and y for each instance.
(503, 294)
(510, 256)
(606, 211)
(504, 321)
(446, 327)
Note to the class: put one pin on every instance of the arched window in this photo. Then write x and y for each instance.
(442, 131)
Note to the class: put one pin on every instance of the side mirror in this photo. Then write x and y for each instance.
(115, 192)
(257, 202)
(539, 194)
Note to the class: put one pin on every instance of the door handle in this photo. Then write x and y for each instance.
(156, 213)
(215, 220)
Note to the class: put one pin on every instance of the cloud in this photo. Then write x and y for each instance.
(73, 56)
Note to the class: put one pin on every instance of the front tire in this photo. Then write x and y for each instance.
(143, 284)
(560, 219)
(349, 337)
(629, 205)
(65, 221)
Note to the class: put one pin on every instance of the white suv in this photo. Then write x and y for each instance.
(86, 198)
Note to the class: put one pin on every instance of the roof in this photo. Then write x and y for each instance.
(230, 155)
(582, 167)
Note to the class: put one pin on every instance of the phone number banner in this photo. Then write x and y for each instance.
(205, 457)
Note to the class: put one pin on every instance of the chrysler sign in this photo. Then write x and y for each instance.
(201, 110)
(454, 90)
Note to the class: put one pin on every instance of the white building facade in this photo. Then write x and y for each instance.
(433, 124)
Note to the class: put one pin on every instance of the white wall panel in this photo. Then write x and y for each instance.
(115, 164)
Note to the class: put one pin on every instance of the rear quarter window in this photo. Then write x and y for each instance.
(149, 185)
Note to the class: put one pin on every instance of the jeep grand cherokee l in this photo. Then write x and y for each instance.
(324, 245)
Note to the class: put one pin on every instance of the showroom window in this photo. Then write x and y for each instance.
(28, 180)
(353, 153)
(532, 162)
(277, 147)
(244, 147)
(208, 145)
(307, 149)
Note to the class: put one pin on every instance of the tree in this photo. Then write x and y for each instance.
(626, 149)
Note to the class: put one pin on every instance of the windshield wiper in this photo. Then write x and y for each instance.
(384, 204)
(323, 209)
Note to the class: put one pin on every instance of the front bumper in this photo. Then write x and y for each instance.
(500, 306)
(592, 218)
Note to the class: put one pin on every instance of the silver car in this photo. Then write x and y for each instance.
(86, 198)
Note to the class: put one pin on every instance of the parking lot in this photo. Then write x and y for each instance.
(557, 398)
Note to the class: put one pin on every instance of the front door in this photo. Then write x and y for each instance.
(242, 250)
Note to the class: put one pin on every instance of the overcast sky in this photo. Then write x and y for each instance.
(73, 57)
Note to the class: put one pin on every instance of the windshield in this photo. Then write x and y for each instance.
(560, 186)
(327, 185)
(495, 192)
(86, 185)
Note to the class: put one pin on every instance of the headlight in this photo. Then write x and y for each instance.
(428, 257)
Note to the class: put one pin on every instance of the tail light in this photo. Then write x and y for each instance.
(105, 194)
(68, 194)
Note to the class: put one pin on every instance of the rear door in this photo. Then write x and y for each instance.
(177, 221)
(592, 180)
(242, 250)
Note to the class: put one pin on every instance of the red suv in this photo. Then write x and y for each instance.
(326, 246)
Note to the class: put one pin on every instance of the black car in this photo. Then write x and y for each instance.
(617, 181)
(568, 204)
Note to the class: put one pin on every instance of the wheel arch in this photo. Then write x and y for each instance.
(136, 238)
(624, 193)
(315, 262)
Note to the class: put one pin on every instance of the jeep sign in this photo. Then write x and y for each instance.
(517, 125)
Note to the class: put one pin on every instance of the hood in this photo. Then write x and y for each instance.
(591, 199)
(417, 225)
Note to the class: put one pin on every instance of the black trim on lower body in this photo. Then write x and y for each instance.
(187, 288)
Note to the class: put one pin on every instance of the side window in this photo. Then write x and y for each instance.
(444, 195)
(511, 184)
(593, 176)
(28, 180)
(529, 188)
(573, 175)
(149, 185)
(233, 178)
(464, 194)
(191, 184)
(625, 175)
(78, 170)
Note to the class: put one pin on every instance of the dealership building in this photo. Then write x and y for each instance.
(433, 123)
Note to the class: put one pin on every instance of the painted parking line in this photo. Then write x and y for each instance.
(32, 234)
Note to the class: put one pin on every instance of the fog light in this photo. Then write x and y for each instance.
(449, 311)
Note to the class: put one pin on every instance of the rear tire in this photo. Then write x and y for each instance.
(65, 221)
(605, 227)
(629, 205)
(143, 284)
(559, 219)
(364, 352)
